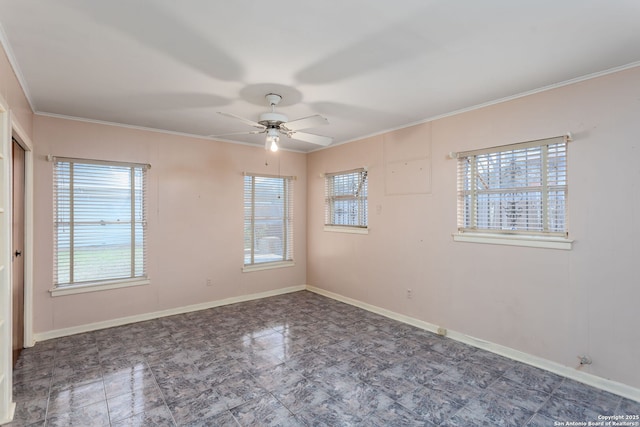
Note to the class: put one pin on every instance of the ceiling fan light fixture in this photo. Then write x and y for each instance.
(272, 138)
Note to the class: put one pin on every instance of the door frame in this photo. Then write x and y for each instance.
(7, 406)
(9, 127)
(25, 142)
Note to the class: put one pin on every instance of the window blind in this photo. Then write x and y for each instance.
(346, 199)
(268, 219)
(99, 221)
(515, 189)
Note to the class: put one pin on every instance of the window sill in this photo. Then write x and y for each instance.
(97, 286)
(267, 266)
(515, 240)
(350, 230)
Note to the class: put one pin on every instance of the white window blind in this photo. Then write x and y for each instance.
(268, 219)
(99, 221)
(346, 199)
(514, 189)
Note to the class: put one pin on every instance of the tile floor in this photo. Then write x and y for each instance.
(292, 360)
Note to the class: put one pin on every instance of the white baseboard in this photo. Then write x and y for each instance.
(9, 417)
(519, 356)
(57, 333)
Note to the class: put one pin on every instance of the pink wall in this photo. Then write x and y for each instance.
(12, 93)
(550, 303)
(195, 217)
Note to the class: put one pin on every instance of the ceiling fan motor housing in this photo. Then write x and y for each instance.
(272, 119)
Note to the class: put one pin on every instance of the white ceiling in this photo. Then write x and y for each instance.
(366, 65)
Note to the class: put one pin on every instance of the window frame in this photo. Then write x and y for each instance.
(360, 197)
(137, 219)
(287, 219)
(467, 195)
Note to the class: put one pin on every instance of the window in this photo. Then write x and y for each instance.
(519, 189)
(346, 199)
(268, 221)
(99, 222)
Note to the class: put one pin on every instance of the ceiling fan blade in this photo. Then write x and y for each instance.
(252, 132)
(243, 120)
(306, 123)
(309, 137)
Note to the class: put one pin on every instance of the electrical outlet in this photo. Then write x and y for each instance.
(209, 282)
(409, 294)
(585, 360)
(442, 332)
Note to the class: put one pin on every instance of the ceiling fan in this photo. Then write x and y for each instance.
(273, 124)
